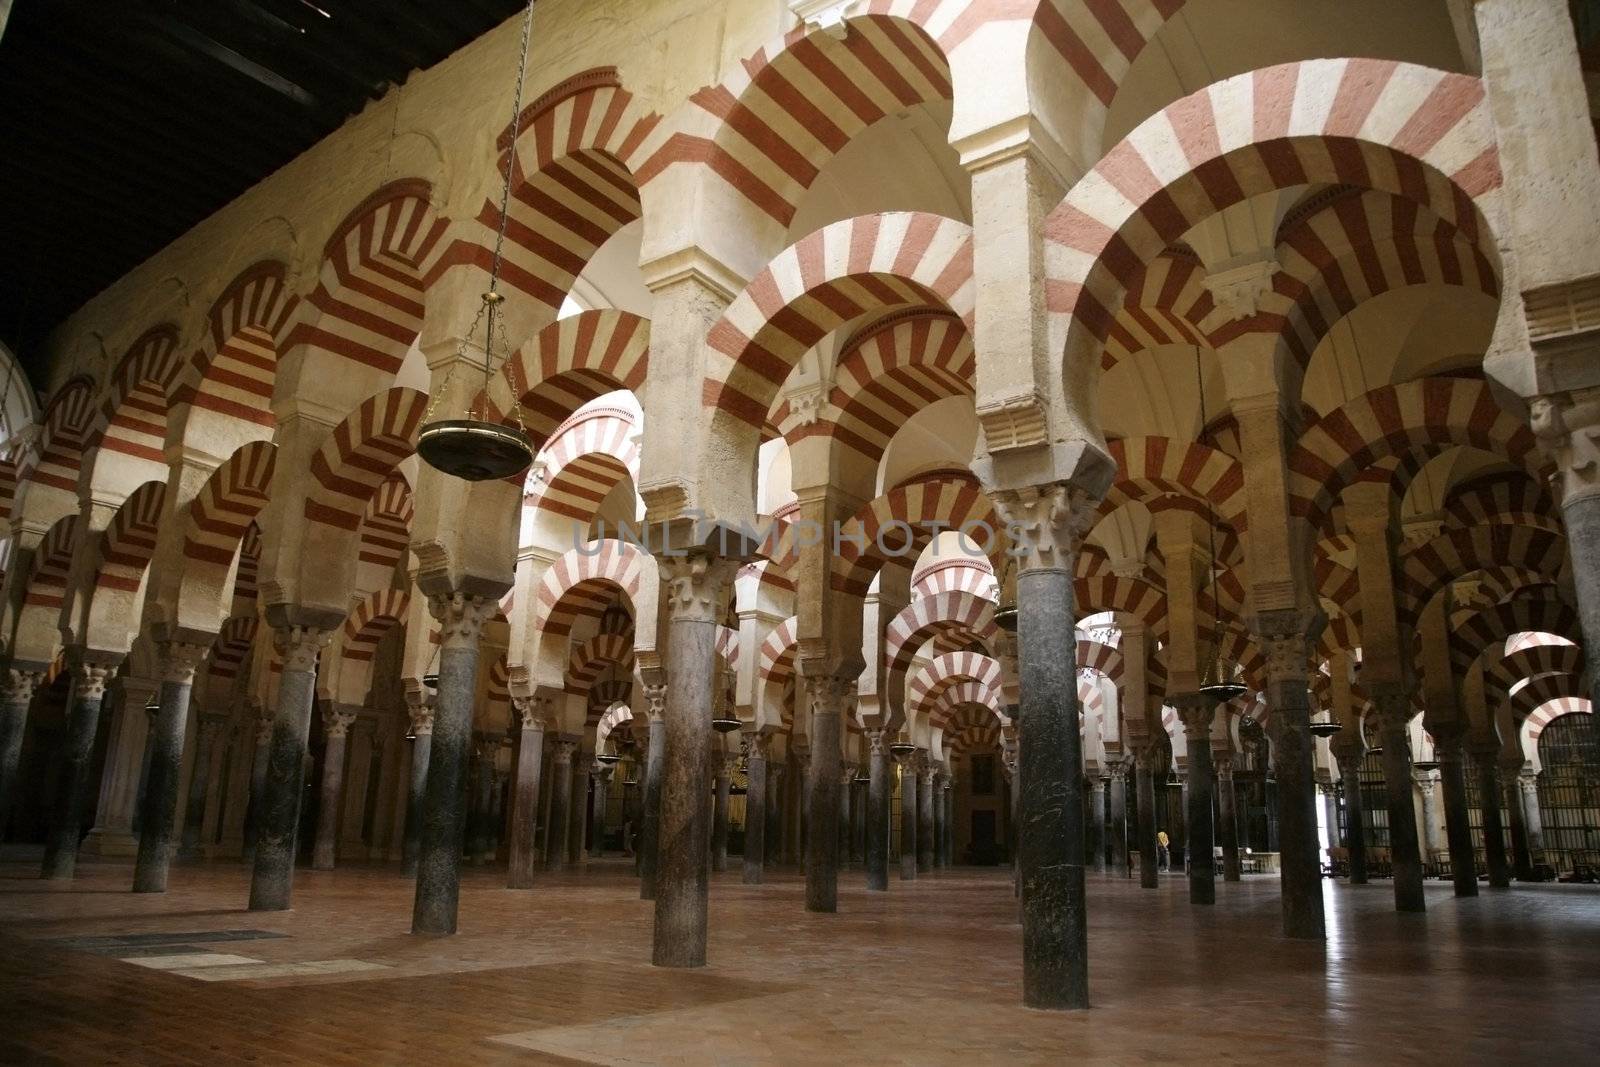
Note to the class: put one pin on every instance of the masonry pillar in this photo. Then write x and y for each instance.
(877, 814)
(949, 822)
(77, 753)
(178, 660)
(211, 727)
(1200, 838)
(925, 828)
(755, 808)
(1521, 858)
(858, 817)
(654, 766)
(1147, 761)
(1394, 711)
(14, 701)
(555, 856)
(525, 803)
(1494, 840)
(598, 795)
(1117, 817)
(826, 691)
(358, 774)
(719, 815)
(261, 754)
(1447, 745)
(461, 617)
(1528, 796)
(120, 780)
(1227, 815)
(695, 585)
(910, 774)
(420, 711)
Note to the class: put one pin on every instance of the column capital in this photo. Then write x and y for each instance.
(534, 712)
(461, 617)
(1392, 701)
(656, 701)
(565, 747)
(1528, 782)
(1568, 428)
(1148, 757)
(1195, 712)
(421, 719)
(178, 660)
(299, 646)
(876, 744)
(90, 680)
(336, 721)
(695, 583)
(1286, 645)
(1046, 523)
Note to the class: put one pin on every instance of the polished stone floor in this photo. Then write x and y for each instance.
(925, 974)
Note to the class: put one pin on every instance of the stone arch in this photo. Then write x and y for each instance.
(214, 530)
(1431, 566)
(233, 372)
(567, 364)
(373, 617)
(898, 516)
(105, 619)
(588, 456)
(1503, 496)
(65, 429)
(1482, 630)
(1166, 303)
(928, 684)
(356, 458)
(129, 436)
(232, 645)
(1162, 473)
(385, 530)
(590, 659)
(582, 583)
(959, 575)
(35, 636)
(962, 613)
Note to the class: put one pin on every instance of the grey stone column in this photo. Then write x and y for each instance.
(461, 617)
(1349, 754)
(877, 813)
(949, 823)
(773, 845)
(421, 714)
(480, 835)
(1494, 838)
(719, 816)
(941, 823)
(696, 586)
(801, 826)
(601, 777)
(925, 817)
(1117, 818)
(1200, 838)
(1447, 745)
(1528, 796)
(159, 809)
(755, 808)
(336, 722)
(1097, 824)
(199, 785)
(858, 817)
(1521, 857)
(555, 856)
(826, 692)
(1405, 851)
(128, 725)
(260, 756)
(654, 766)
(847, 779)
(910, 777)
(14, 702)
(1426, 783)
(578, 807)
(77, 753)
(1289, 701)
(1227, 814)
(525, 805)
(1147, 759)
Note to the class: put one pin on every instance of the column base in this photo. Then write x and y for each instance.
(109, 844)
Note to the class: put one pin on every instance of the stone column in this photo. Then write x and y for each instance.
(358, 776)
(755, 808)
(719, 815)
(696, 586)
(419, 708)
(461, 617)
(601, 777)
(654, 766)
(1447, 745)
(858, 818)
(1349, 754)
(578, 807)
(925, 824)
(801, 827)
(773, 845)
(261, 755)
(336, 722)
(1289, 701)
(119, 783)
(1494, 839)
(1521, 859)
(1097, 824)
(1426, 780)
(530, 753)
(199, 782)
(1201, 836)
(77, 754)
(560, 800)
(1528, 788)
(877, 814)
(910, 773)
(1394, 710)
(1227, 815)
(847, 779)
(826, 691)
(14, 701)
(1147, 761)
(949, 823)
(178, 661)
(1117, 817)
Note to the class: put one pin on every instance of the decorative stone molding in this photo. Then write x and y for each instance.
(565, 748)
(1046, 523)
(299, 646)
(695, 585)
(1196, 713)
(825, 15)
(179, 660)
(90, 681)
(336, 722)
(1014, 423)
(461, 617)
(809, 404)
(875, 743)
(1568, 426)
(1288, 655)
(1239, 290)
(656, 700)
(421, 719)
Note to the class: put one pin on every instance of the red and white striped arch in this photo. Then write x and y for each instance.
(969, 731)
(232, 645)
(929, 683)
(367, 306)
(727, 646)
(386, 529)
(1163, 473)
(1167, 303)
(566, 365)
(945, 711)
(776, 658)
(233, 371)
(584, 582)
(374, 616)
(962, 613)
(1140, 601)
(1541, 691)
(589, 455)
(65, 428)
(893, 526)
(247, 573)
(1486, 631)
(1400, 422)
(1504, 496)
(38, 633)
(133, 418)
(828, 278)
(129, 541)
(1534, 660)
(957, 575)
(1099, 657)
(589, 660)
(228, 504)
(359, 455)
(1399, 128)
(1455, 554)
(1543, 717)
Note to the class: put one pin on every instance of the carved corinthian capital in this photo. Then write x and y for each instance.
(337, 721)
(1568, 427)
(656, 701)
(461, 617)
(1045, 523)
(299, 646)
(178, 660)
(695, 584)
(20, 684)
(91, 681)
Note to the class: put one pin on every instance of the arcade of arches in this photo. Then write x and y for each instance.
(931, 392)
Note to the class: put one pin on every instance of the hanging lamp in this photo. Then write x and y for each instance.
(473, 448)
(901, 747)
(1325, 727)
(1219, 679)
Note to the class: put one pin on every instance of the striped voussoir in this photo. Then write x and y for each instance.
(1456, 554)
(1140, 600)
(960, 612)
(608, 694)
(367, 306)
(129, 540)
(233, 371)
(1099, 657)
(587, 457)
(1485, 632)
(1547, 689)
(970, 730)
(359, 455)
(1423, 416)
(386, 525)
(497, 694)
(956, 575)
(1167, 303)
(374, 616)
(1534, 660)
(1494, 585)
(1542, 717)
(942, 672)
(133, 418)
(232, 645)
(594, 656)
(1342, 632)
(775, 661)
(944, 709)
(1338, 584)
(228, 504)
(47, 583)
(1163, 474)
(850, 268)
(246, 574)
(727, 647)
(583, 582)
(66, 425)
(897, 526)
(1503, 496)
(567, 364)
(1398, 128)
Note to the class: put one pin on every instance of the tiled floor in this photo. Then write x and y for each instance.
(927, 973)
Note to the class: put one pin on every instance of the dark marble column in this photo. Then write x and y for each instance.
(525, 803)
(910, 776)
(772, 848)
(461, 617)
(826, 691)
(847, 777)
(578, 807)
(481, 838)
(555, 856)
(1521, 857)
(599, 792)
(949, 823)
(858, 817)
(417, 783)
(1117, 818)
(755, 808)
(1148, 762)
(1289, 703)
(802, 789)
(259, 759)
(1447, 746)
(654, 765)
(696, 586)
(1349, 754)
(1405, 850)
(877, 813)
(336, 723)
(1200, 837)
(159, 809)
(14, 701)
(1014, 800)
(925, 817)
(77, 754)
(1494, 838)
(1097, 824)
(1227, 815)
(719, 815)
(194, 812)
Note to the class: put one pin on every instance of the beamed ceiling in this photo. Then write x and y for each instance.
(125, 122)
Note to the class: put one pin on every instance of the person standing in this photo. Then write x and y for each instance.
(1163, 855)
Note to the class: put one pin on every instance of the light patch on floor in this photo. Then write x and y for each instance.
(257, 969)
(188, 960)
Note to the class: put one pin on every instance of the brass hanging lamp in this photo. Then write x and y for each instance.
(1219, 679)
(474, 448)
